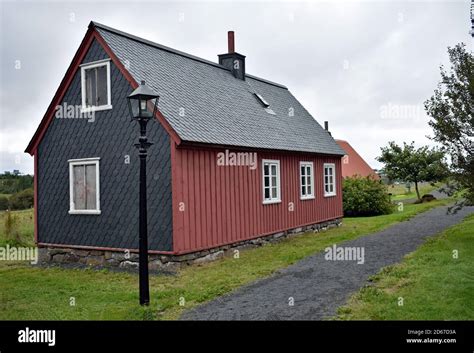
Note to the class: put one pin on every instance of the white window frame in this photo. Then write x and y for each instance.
(278, 198)
(84, 67)
(307, 196)
(333, 166)
(84, 161)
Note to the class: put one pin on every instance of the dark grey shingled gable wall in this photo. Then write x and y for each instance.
(111, 137)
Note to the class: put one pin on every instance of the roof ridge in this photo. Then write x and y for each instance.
(266, 81)
(175, 51)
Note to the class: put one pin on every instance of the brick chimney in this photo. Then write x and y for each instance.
(234, 61)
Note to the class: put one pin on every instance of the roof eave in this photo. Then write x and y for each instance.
(198, 144)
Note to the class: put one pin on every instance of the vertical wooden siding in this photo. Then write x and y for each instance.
(217, 205)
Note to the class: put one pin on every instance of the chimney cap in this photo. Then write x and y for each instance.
(230, 42)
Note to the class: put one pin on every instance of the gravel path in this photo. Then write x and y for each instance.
(320, 286)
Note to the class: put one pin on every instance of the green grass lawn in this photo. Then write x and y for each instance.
(400, 192)
(433, 284)
(31, 293)
(23, 232)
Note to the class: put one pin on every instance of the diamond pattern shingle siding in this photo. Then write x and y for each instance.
(111, 137)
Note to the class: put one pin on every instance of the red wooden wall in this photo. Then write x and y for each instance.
(217, 205)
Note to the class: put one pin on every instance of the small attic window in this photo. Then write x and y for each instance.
(95, 85)
(262, 100)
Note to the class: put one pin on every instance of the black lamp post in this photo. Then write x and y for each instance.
(143, 102)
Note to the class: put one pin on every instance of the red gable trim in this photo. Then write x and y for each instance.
(66, 81)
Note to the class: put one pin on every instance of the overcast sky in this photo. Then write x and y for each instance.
(366, 67)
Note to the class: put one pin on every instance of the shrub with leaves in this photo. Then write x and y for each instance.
(22, 200)
(3, 202)
(365, 197)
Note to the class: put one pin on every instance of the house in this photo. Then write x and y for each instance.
(234, 157)
(353, 164)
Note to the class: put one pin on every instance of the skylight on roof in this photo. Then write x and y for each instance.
(262, 100)
(270, 111)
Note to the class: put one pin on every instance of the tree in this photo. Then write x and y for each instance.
(412, 164)
(451, 110)
(11, 183)
(22, 200)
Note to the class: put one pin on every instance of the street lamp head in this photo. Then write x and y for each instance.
(143, 102)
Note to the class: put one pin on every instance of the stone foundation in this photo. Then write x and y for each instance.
(129, 261)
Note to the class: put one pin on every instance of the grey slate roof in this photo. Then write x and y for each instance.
(218, 108)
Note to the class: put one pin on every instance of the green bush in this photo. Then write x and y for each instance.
(3, 202)
(365, 197)
(22, 200)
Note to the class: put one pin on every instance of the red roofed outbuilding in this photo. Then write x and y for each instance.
(353, 163)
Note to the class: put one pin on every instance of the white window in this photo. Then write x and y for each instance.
(307, 180)
(95, 84)
(84, 190)
(271, 181)
(329, 179)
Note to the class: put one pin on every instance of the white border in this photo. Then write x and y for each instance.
(333, 166)
(311, 196)
(278, 199)
(84, 67)
(84, 161)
